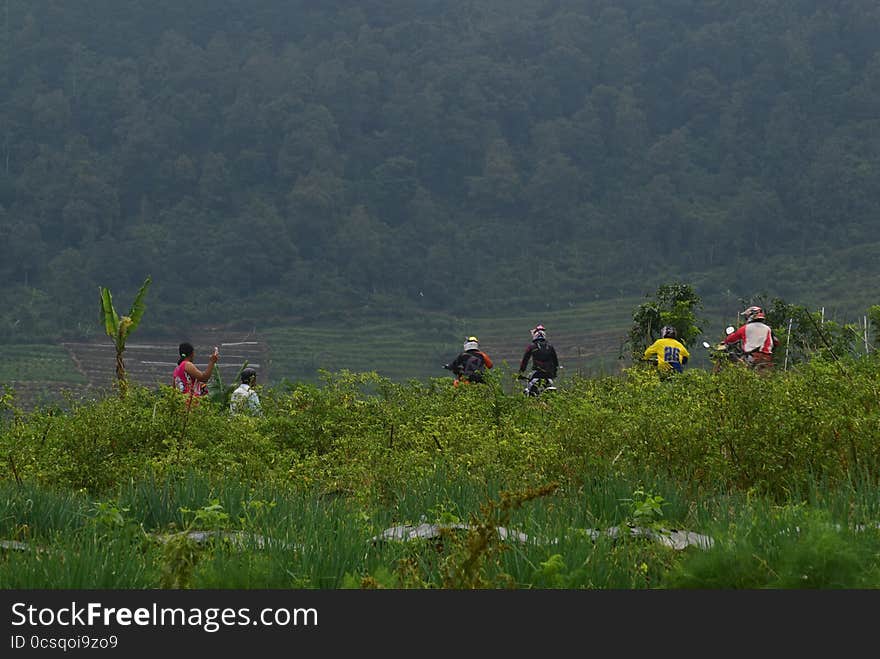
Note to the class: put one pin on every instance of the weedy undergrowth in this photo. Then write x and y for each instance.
(181, 553)
(466, 565)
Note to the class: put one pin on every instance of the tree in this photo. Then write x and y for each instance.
(806, 334)
(673, 304)
(119, 328)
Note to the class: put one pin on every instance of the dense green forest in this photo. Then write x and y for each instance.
(282, 159)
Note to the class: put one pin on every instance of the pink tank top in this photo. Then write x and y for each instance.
(183, 381)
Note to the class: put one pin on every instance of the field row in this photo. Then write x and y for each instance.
(588, 338)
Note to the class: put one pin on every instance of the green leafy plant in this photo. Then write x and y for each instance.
(209, 517)
(108, 515)
(219, 393)
(646, 509)
(553, 571)
(805, 334)
(444, 513)
(181, 553)
(119, 328)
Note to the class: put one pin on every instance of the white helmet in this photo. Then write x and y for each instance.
(471, 343)
(753, 313)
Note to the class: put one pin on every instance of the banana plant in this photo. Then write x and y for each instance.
(218, 391)
(119, 327)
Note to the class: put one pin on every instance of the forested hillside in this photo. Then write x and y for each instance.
(291, 158)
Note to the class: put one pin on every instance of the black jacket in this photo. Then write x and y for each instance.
(543, 356)
(459, 365)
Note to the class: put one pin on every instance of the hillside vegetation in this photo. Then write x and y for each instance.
(282, 159)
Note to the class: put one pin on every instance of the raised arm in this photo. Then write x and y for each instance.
(202, 376)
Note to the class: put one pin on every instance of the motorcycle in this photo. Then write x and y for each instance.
(724, 354)
(536, 384)
(456, 375)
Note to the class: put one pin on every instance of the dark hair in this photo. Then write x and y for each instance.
(184, 350)
(247, 374)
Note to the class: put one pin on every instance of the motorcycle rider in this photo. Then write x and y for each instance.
(545, 362)
(757, 338)
(471, 363)
(670, 352)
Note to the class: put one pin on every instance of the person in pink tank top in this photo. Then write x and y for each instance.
(187, 378)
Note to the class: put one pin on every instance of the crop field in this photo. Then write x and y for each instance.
(39, 363)
(41, 374)
(727, 480)
(588, 340)
(190, 533)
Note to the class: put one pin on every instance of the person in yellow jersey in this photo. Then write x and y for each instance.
(670, 352)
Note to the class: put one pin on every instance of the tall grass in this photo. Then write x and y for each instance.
(274, 537)
(788, 547)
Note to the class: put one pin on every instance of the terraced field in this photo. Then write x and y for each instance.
(587, 339)
(150, 362)
(40, 363)
(49, 374)
(41, 374)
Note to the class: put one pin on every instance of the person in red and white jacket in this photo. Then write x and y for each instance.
(756, 336)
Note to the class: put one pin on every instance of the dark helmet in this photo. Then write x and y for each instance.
(667, 332)
(247, 374)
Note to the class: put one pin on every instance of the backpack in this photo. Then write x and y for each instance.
(542, 357)
(473, 367)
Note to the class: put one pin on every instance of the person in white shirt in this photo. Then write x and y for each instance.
(245, 399)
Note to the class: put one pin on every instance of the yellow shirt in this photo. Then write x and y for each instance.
(670, 354)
